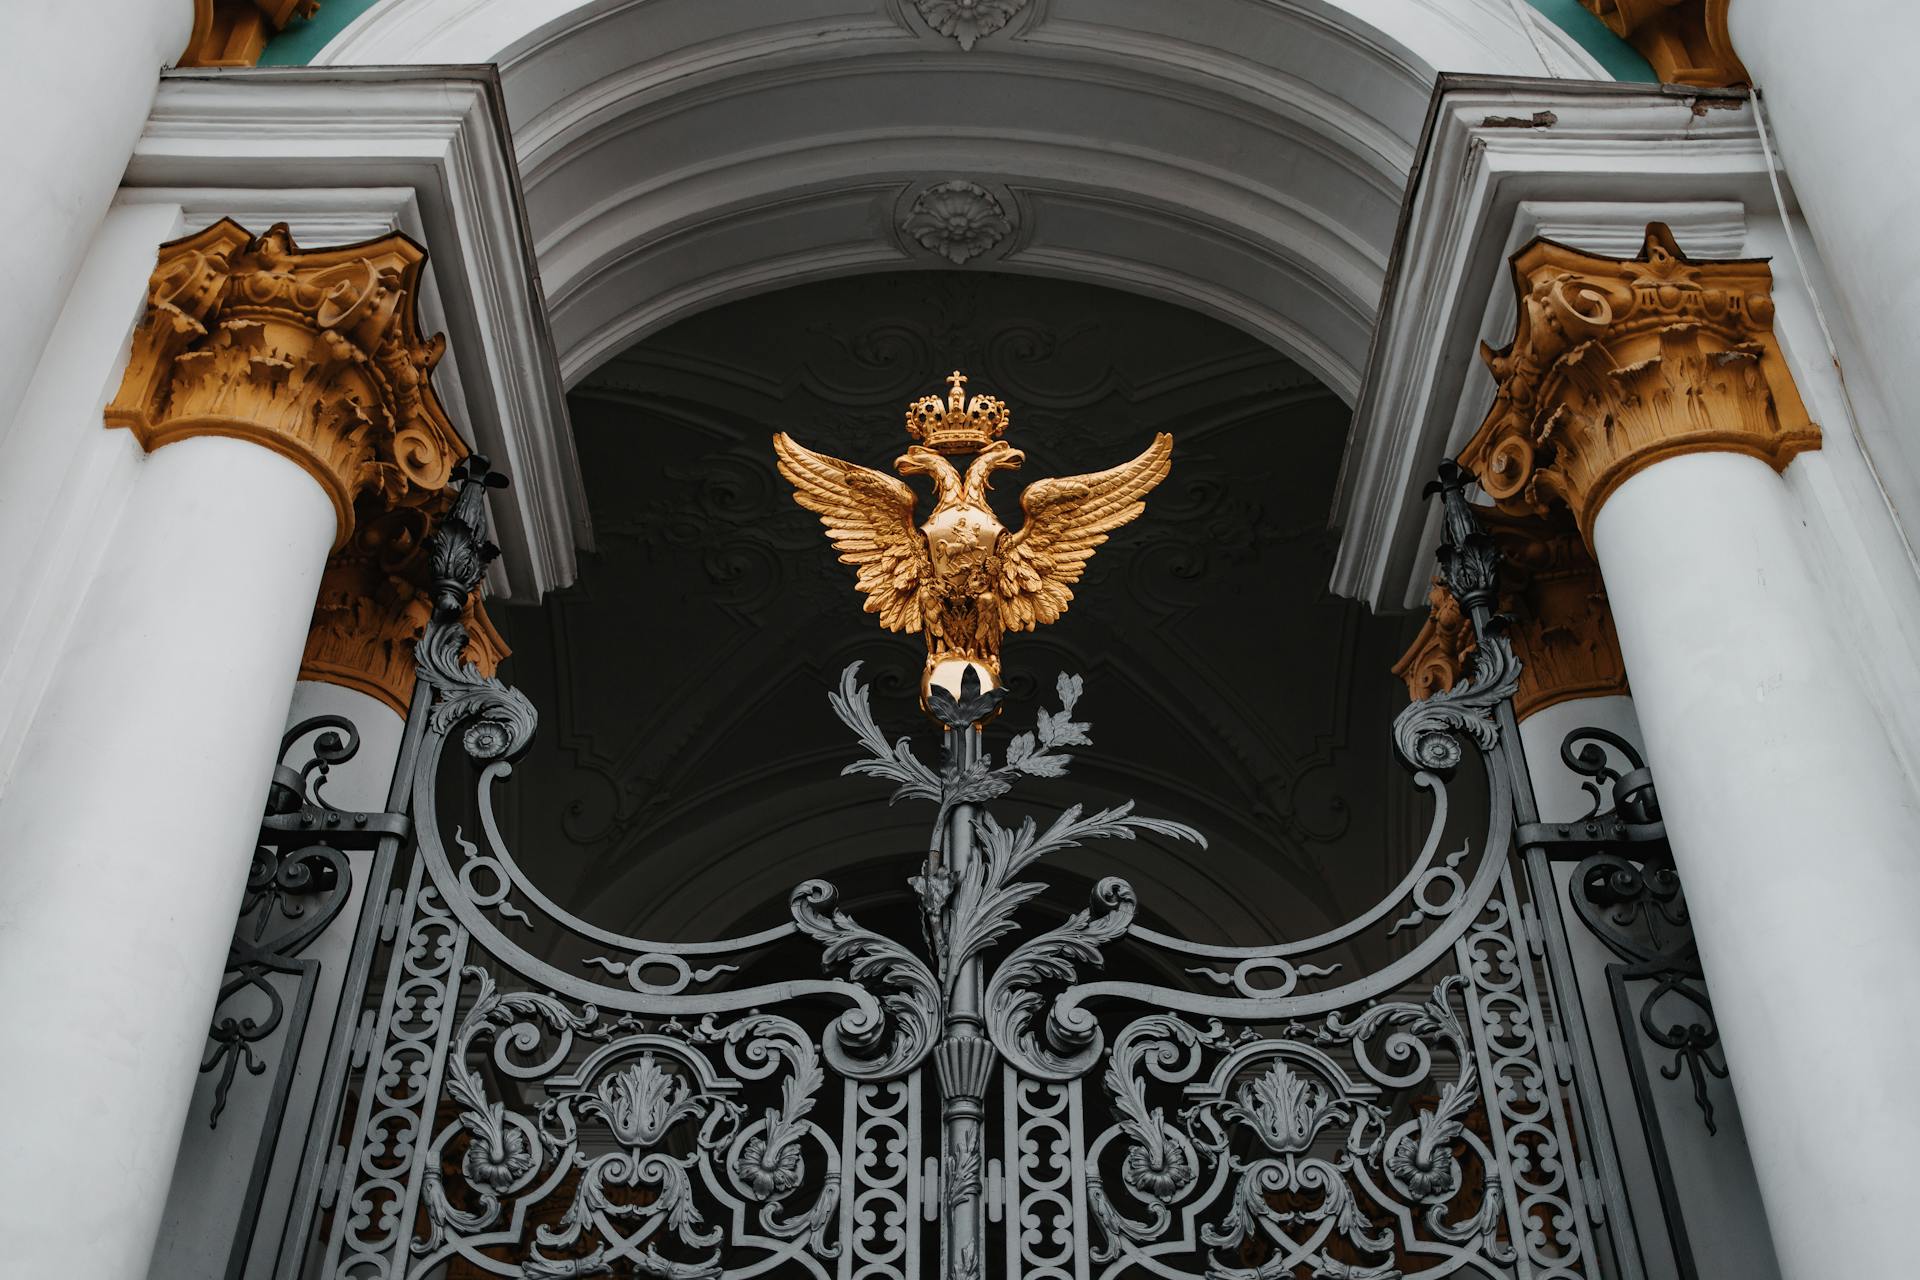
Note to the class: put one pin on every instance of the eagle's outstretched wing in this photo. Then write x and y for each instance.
(869, 518)
(1066, 519)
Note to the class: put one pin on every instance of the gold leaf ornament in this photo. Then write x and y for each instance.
(962, 579)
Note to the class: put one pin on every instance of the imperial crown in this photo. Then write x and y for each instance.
(960, 425)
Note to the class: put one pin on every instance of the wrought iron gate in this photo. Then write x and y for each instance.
(1398, 1096)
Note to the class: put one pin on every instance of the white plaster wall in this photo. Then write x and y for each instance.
(76, 81)
(1841, 94)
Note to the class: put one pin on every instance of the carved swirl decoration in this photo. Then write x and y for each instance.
(315, 354)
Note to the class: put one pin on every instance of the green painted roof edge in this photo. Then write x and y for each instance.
(303, 38)
(1620, 59)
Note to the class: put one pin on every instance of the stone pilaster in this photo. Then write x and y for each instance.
(1618, 363)
(1562, 631)
(1685, 40)
(315, 354)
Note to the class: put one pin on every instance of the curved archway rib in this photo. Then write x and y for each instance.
(1243, 159)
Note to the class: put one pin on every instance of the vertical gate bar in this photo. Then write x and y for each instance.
(915, 1121)
(1470, 563)
(423, 1139)
(1077, 1143)
(1597, 1126)
(324, 1124)
(963, 1158)
(1010, 1152)
(850, 1163)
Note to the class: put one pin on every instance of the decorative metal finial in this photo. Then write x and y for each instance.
(459, 551)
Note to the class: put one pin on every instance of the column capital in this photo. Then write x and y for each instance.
(234, 33)
(374, 605)
(315, 354)
(1686, 41)
(1562, 631)
(1618, 363)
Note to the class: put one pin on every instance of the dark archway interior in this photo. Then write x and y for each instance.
(686, 772)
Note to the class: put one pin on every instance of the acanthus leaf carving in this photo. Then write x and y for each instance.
(1555, 605)
(373, 607)
(966, 21)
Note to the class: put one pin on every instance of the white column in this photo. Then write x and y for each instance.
(76, 83)
(127, 829)
(1796, 836)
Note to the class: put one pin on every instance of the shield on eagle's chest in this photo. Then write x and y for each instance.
(959, 540)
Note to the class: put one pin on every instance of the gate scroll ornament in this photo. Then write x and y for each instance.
(1380, 1100)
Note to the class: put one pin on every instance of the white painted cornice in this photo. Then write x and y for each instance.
(1601, 162)
(345, 153)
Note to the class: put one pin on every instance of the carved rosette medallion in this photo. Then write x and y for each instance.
(1616, 364)
(957, 220)
(967, 20)
(1550, 591)
(315, 354)
(1686, 41)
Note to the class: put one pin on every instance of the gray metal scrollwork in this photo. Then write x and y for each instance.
(1327, 1106)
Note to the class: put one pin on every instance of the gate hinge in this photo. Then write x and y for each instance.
(390, 916)
(996, 1189)
(930, 1189)
(362, 1045)
(1532, 930)
(1596, 1198)
(330, 1176)
(1559, 1054)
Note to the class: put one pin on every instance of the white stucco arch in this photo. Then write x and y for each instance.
(1242, 157)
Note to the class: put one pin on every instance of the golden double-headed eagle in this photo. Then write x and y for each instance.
(962, 579)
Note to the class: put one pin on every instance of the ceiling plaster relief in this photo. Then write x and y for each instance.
(662, 800)
(1242, 160)
(966, 21)
(959, 221)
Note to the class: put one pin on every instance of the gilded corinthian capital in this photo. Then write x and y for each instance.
(374, 606)
(315, 354)
(1550, 590)
(1617, 363)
